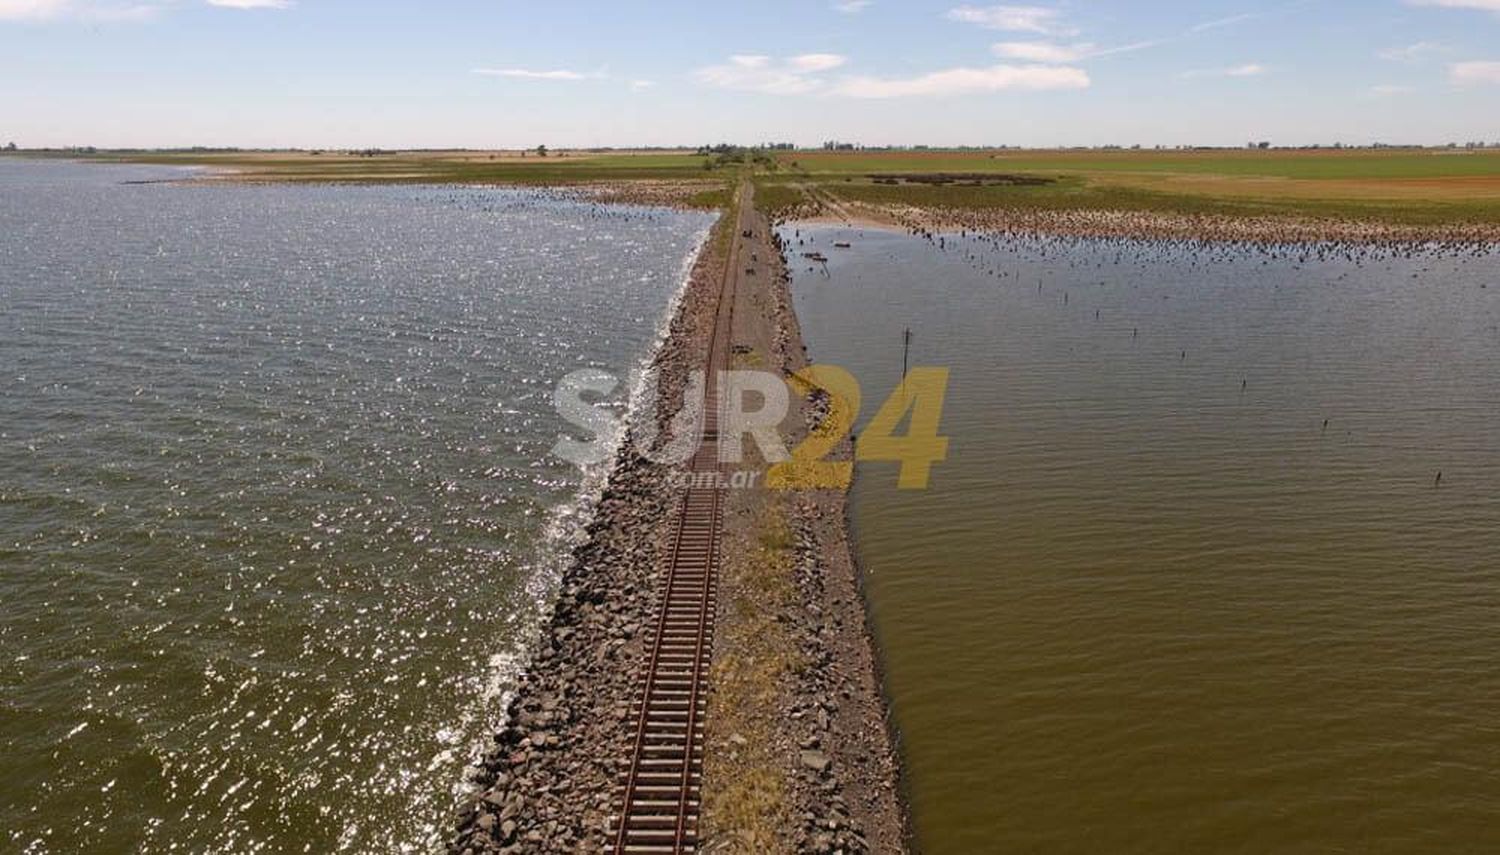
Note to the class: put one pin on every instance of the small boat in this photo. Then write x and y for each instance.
(815, 256)
(839, 244)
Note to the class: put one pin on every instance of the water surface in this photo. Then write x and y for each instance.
(1151, 603)
(277, 510)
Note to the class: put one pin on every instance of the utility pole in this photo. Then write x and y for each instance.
(905, 352)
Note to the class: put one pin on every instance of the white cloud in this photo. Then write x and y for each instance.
(1482, 5)
(251, 4)
(1468, 73)
(1021, 19)
(1410, 53)
(796, 75)
(814, 62)
(961, 81)
(83, 10)
(1249, 69)
(1389, 90)
(851, 7)
(529, 74)
(21, 10)
(804, 75)
(1043, 51)
(640, 85)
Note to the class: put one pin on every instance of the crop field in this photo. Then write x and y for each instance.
(1273, 163)
(1419, 186)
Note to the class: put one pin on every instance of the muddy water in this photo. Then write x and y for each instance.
(1152, 602)
(277, 507)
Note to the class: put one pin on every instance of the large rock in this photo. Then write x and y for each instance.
(817, 761)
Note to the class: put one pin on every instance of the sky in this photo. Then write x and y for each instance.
(505, 74)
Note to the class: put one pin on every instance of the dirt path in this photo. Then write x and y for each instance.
(799, 753)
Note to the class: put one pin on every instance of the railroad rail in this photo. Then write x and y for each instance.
(662, 781)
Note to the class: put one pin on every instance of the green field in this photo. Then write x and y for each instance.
(1410, 186)
(1360, 164)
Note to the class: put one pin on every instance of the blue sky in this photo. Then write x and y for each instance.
(340, 73)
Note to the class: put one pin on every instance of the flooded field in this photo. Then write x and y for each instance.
(277, 508)
(1214, 561)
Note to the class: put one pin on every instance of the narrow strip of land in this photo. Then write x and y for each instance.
(663, 778)
(794, 749)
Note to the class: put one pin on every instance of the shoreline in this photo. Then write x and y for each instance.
(1148, 226)
(549, 778)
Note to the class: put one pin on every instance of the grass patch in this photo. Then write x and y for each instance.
(745, 797)
(774, 198)
(714, 199)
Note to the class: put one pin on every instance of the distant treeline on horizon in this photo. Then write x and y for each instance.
(722, 147)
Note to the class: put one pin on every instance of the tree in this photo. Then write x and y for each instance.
(10, 147)
(541, 151)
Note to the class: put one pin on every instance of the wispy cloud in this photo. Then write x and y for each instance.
(1249, 69)
(1410, 53)
(1481, 5)
(1388, 90)
(851, 7)
(795, 75)
(1471, 73)
(1054, 53)
(251, 4)
(963, 81)
(1219, 23)
(641, 85)
(532, 74)
(1019, 19)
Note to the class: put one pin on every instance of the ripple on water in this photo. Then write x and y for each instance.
(278, 507)
(1150, 603)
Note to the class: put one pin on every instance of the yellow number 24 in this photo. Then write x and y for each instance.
(921, 394)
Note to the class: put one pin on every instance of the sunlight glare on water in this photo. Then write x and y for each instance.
(277, 509)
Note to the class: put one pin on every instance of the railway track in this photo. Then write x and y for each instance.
(662, 781)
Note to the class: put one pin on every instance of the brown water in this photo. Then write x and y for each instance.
(1151, 603)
